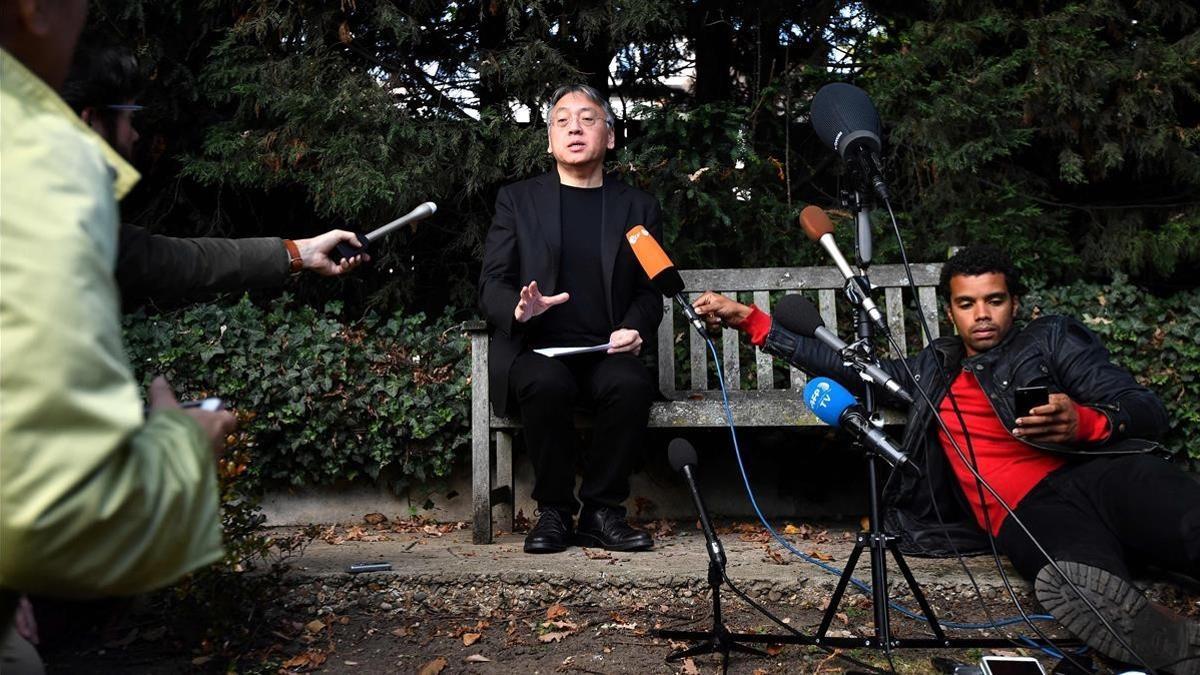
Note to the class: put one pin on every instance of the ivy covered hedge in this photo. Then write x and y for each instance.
(319, 399)
(1156, 338)
(322, 400)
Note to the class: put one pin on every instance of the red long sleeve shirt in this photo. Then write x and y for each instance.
(1011, 467)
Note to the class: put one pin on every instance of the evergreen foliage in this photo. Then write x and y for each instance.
(1066, 132)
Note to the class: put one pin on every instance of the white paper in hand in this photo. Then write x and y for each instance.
(567, 351)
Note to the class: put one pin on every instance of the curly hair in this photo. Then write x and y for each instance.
(102, 76)
(980, 259)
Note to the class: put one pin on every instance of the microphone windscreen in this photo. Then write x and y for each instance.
(650, 254)
(681, 453)
(842, 114)
(828, 399)
(797, 314)
(815, 222)
(653, 259)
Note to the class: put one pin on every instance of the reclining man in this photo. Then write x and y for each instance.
(558, 273)
(103, 86)
(1075, 471)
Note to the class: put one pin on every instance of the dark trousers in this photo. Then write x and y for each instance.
(1109, 512)
(547, 391)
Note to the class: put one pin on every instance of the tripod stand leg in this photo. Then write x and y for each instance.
(918, 594)
(836, 598)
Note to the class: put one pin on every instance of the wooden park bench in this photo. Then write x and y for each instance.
(762, 393)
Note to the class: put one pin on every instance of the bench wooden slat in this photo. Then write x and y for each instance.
(895, 320)
(764, 362)
(929, 306)
(666, 350)
(699, 353)
(730, 360)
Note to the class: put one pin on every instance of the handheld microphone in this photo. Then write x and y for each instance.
(837, 407)
(345, 249)
(683, 459)
(819, 228)
(797, 314)
(662, 272)
(845, 119)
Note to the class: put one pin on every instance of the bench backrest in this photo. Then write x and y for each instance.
(764, 285)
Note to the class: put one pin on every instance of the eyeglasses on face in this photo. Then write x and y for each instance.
(587, 118)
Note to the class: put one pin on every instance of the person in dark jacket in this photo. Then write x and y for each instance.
(102, 87)
(558, 273)
(1076, 471)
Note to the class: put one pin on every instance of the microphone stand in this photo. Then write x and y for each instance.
(719, 638)
(875, 539)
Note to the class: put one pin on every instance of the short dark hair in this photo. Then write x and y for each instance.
(102, 76)
(590, 92)
(980, 259)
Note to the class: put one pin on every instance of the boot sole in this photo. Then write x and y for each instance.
(592, 541)
(1160, 639)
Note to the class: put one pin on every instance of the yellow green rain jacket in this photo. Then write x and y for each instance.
(95, 499)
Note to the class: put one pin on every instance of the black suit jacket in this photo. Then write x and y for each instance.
(524, 244)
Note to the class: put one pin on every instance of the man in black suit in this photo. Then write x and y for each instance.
(558, 273)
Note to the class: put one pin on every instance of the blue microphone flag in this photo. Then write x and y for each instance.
(828, 399)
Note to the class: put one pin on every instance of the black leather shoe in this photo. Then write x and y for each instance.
(606, 528)
(552, 534)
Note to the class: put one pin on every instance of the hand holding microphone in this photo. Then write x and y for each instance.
(346, 250)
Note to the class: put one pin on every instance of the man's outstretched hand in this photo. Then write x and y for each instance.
(718, 310)
(314, 253)
(532, 302)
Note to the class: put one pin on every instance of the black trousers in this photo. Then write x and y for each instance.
(547, 391)
(1111, 513)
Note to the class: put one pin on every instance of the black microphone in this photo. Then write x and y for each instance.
(683, 459)
(662, 273)
(797, 314)
(845, 119)
(837, 407)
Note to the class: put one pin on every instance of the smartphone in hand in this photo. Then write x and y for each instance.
(1028, 398)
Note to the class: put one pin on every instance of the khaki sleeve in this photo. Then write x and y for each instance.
(94, 499)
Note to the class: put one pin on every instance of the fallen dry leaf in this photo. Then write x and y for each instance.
(375, 519)
(689, 668)
(477, 658)
(434, 667)
(820, 555)
(403, 631)
(773, 650)
(315, 626)
(554, 611)
(843, 618)
(597, 554)
(556, 636)
(471, 638)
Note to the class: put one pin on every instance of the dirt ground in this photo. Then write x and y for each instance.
(451, 607)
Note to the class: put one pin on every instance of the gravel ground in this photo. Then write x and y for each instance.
(451, 607)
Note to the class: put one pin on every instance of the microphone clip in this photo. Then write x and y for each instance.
(858, 292)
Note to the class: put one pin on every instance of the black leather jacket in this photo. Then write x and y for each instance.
(1055, 351)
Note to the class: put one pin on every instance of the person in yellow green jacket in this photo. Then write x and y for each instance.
(97, 498)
